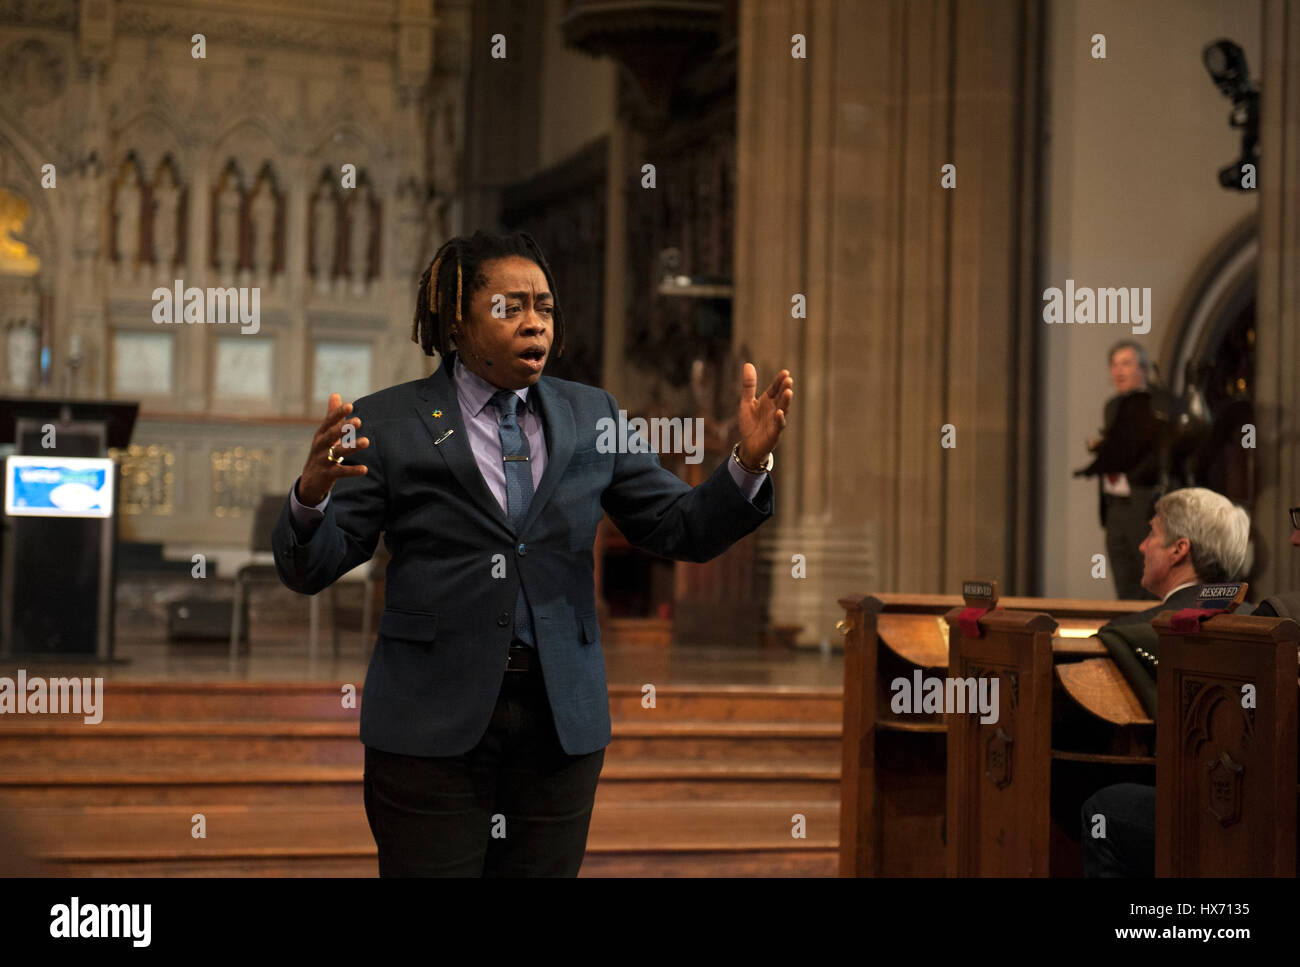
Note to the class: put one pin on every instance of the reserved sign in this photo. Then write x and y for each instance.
(980, 594)
(1222, 597)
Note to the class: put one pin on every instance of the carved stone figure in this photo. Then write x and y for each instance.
(262, 216)
(359, 239)
(166, 204)
(324, 231)
(127, 242)
(228, 229)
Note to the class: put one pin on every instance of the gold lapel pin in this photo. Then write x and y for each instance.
(437, 413)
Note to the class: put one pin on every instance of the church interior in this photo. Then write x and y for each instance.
(941, 217)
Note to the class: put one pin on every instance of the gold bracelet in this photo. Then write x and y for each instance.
(767, 464)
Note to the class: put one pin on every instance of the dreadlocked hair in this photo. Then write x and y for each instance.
(456, 275)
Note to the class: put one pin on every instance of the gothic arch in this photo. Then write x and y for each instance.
(28, 270)
(20, 175)
(1222, 285)
(348, 136)
(1210, 351)
(152, 133)
(257, 128)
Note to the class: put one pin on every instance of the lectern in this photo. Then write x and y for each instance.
(59, 526)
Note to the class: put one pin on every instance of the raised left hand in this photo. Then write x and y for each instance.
(762, 418)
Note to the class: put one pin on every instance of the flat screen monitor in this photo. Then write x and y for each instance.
(59, 486)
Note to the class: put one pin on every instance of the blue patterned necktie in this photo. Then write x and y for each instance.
(519, 490)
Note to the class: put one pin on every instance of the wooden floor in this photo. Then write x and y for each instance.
(708, 783)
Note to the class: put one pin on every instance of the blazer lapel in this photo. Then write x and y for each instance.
(439, 393)
(561, 437)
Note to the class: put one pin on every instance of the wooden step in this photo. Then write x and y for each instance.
(178, 790)
(164, 832)
(705, 783)
(125, 701)
(208, 868)
(732, 741)
(127, 840)
(253, 701)
(712, 826)
(773, 863)
(90, 780)
(765, 770)
(729, 703)
(692, 780)
(58, 744)
(795, 863)
(628, 781)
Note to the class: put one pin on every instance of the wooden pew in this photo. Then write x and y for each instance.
(894, 768)
(1101, 735)
(1064, 729)
(1226, 775)
(999, 773)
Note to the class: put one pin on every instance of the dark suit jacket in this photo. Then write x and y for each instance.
(1135, 441)
(1284, 605)
(1135, 646)
(447, 622)
(1180, 599)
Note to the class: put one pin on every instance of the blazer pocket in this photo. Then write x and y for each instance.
(586, 456)
(590, 628)
(410, 625)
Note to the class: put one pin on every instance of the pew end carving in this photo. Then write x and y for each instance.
(1226, 747)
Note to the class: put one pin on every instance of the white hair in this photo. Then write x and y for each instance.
(1216, 528)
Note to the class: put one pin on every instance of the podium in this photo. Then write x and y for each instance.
(58, 532)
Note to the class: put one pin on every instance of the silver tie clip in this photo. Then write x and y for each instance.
(443, 437)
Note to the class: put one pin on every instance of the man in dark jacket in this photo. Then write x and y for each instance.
(1131, 462)
(1197, 537)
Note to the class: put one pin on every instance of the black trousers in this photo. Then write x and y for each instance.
(1127, 523)
(514, 805)
(1128, 846)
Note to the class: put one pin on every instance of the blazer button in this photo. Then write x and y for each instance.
(503, 618)
(522, 549)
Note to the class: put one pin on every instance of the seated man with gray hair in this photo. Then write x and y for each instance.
(1197, 537)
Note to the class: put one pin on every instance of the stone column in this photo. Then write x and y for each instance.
(1278, 306)
(81, 293)
(294, 343)
(919, 310)
(613, 365)
(502, 105)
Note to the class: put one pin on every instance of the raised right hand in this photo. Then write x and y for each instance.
(319, 473)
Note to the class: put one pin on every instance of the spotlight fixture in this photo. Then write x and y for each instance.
(1226, 64)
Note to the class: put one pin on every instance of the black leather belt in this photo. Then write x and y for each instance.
(522, 658)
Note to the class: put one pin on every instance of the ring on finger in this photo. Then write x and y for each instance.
(333, 459)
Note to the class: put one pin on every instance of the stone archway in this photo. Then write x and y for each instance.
(25, 281)
(1211, 368)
